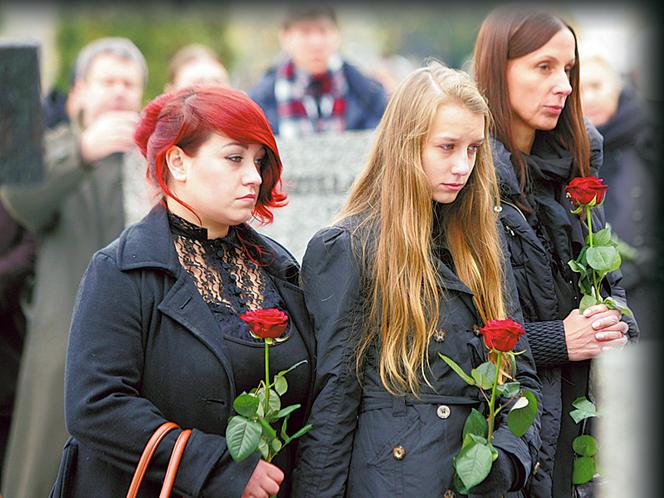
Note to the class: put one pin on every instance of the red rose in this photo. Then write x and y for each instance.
(582, 190)
(266, 323)
(501, 334)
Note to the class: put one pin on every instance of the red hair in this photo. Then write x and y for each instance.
(186, 118)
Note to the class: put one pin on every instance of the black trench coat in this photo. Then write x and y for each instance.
(144, 348)
(366, 442)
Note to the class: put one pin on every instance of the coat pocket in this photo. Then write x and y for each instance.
(382, 442)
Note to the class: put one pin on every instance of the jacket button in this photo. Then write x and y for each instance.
(399, 452)
(536, 468)
(476, 329)
(443, 411)
(439, 335)
(449, 494)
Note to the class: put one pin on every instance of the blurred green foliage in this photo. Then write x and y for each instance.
(447, 34)
(158, 30)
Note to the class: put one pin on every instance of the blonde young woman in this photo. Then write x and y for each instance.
(412, 267)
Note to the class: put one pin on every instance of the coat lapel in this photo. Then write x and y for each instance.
(294, 299)
(184, 304)
(452, 283)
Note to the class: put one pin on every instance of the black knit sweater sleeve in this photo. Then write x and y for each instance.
(547, 342)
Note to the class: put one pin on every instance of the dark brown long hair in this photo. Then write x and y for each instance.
(510, 32)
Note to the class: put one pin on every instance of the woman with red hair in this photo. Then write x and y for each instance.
(156, 334)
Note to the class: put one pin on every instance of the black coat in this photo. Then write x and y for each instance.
(545, 304)
(356, 426)
(145, 348)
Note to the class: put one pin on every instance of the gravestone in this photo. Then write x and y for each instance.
(20, 114)
(318, 173)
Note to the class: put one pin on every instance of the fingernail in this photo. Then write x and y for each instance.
(586, 313)
(600, 336)
(596, 325)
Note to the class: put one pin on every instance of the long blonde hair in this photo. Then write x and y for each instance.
(393, 198)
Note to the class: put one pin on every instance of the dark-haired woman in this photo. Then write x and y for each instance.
(156, 334)
(526, 64)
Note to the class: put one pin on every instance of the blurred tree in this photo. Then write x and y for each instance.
(448, 36)
(158, 30)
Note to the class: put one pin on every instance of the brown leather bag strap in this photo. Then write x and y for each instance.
(149, 450)
(174, 463)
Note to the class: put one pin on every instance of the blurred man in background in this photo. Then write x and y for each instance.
(93, 188)
(314, 89)
(195, 64)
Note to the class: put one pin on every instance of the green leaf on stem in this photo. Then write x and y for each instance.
(586, 301)
(473, 464)
(246, 405)
(280, 384)
(475, 424)
(300, 433)
(578, 268)
(522, 414)
(494, 453)
(264, 448)
(509, 389)
(284, 426)
(602, 238)
(471, 438)
(604, 258)
(274, 402)
(457, 369)
(615, 305)
(584, 470)
(293, 367)
(584, 409)
(242, 437)
(484, 375)
(276, 445)
(458, 485)
(288, 410)
(585, 445)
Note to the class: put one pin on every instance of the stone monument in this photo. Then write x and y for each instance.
(20, 114)
(318, 173)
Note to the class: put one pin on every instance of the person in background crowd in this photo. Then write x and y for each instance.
(92, 189)
(390, 70)
(157, 336)
(629, 171)
(17, 255)
(195, 64)
(527, 66)
(396, 280)
(314, 89)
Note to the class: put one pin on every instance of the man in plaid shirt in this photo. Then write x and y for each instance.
(314, 89)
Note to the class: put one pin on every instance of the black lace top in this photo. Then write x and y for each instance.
(227, 279)
(231, 283)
